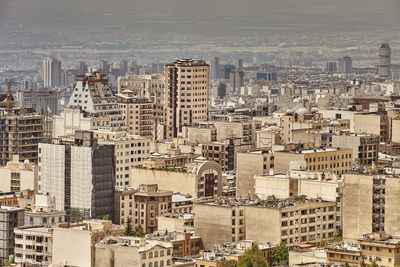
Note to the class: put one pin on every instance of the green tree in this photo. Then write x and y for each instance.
(280, 256)
(373, 264)
(106, 217)
(253, 258)
(363, 264)
(128, 229)
(347, 264)
(138, 231)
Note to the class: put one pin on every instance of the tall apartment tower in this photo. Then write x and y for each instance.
(187, 89)
(384, 61)
(51, 72)
(215, 68)
(20, 131)
(80, 174)
(345, 65)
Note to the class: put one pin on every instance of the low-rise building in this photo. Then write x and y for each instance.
(214, 259)
(10, 217)
(336, 160)
(18, 176)
(201, 178)
(33, 245)
(293, 221)
(342, 254)
(365, 147)
(132, 251)
(185, 244)
(173, 222)
(380, 248)
(74, 243)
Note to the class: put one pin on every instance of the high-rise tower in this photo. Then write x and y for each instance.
(186, 94)
(384, 61)
(51, 72)
(215, 68)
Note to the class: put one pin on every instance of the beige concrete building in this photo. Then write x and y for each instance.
(380, 248)
(74, 243)
(293, 221)
(249, 164)
(185, 244)
(336, 160)
(198, 179)
(203, 133)
(142, 205)
(129, 151)
(214, 259)
(10, 217)
(175, 222)
(245, 130)
(33, 245)
(342, 254)
(370, 205)
(372, 123)
(186, 94)
(296, 183)
(365, 147)
(43, 212)
(138, 115)
(133, 251)
(150, 87)
(174, 157)
(18, 176)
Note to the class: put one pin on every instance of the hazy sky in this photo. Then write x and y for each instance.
(303, 14)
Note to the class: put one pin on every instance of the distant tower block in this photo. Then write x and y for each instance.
(384, 61)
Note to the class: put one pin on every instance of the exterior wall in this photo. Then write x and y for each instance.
(72, 247)
(174, 224)
(43, 218)
(248, 165)
(200, 135)
(81, 177)
(365, 148)
(272, 186)
(382, 252)
(70, 120)
(52, 174)
(282, 160)
(263, 224)
(392, 207)
(367, 124)
(357, 206)
(213, 224)
(138, 115)
(182, 182)
(396, 131)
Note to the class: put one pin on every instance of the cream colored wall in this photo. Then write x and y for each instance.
(392, 206)
(396, 131)
(213, 224)
(263, 224)
(71, 247)
(369, 124)
(5, 180)
(315, 189)
(357, 206)
(248, 164)
(182, 182)
(282, 160)
(172, 224)
(272, 186)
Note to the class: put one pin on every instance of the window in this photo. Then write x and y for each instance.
(150, 255)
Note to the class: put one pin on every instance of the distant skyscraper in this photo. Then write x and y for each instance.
(187, 90)
(345, 65)
(221, 91)
(104, 66)
(384, 60)
(331, 67)
(236, 80)
(82, 68)
(215, 68)
(239, 63)
(123, 67)
(51, 72)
